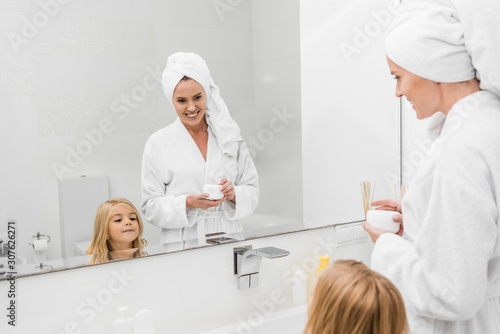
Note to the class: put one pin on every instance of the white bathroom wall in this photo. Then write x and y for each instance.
(189, 292)
(94, 60)
(277, 92)
(350, 117)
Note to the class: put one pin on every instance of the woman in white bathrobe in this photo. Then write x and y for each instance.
(203, 146)
(447, 262)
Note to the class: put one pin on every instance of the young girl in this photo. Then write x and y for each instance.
(117, 232)
(351, 298)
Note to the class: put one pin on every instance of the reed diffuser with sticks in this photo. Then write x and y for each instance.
(367, 194)
(402, 193)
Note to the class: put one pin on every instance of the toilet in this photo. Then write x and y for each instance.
(79, 198)
(81, 247)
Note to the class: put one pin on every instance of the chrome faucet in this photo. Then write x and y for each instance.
(247, 263)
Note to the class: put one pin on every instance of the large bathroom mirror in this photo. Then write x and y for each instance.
(80, 94)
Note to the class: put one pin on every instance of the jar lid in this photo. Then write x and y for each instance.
(381, 213)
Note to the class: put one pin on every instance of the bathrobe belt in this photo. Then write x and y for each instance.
(202, 216)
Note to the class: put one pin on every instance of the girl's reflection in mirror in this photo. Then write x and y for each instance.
(117, 232)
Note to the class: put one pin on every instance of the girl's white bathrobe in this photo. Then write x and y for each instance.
(447, 266)
(173, 167)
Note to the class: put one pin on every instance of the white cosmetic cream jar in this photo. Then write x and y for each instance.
(213, 190)
(383, 219)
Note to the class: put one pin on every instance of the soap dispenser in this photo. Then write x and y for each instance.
(123, 324)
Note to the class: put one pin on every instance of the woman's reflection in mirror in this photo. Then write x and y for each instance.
(202, 149)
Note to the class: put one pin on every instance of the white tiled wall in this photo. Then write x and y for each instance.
(350, 117)
(18, 75)
(277, 90)
(189, 292)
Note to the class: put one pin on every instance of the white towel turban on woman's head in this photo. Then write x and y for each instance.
(427, 39)
(191, 65)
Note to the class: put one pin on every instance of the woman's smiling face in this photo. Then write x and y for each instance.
(190, 102)
(423, 94)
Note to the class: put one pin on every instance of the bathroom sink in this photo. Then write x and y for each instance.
(290, 321)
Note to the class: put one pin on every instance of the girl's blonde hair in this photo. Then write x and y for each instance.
(100, 245)
(351, 298)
